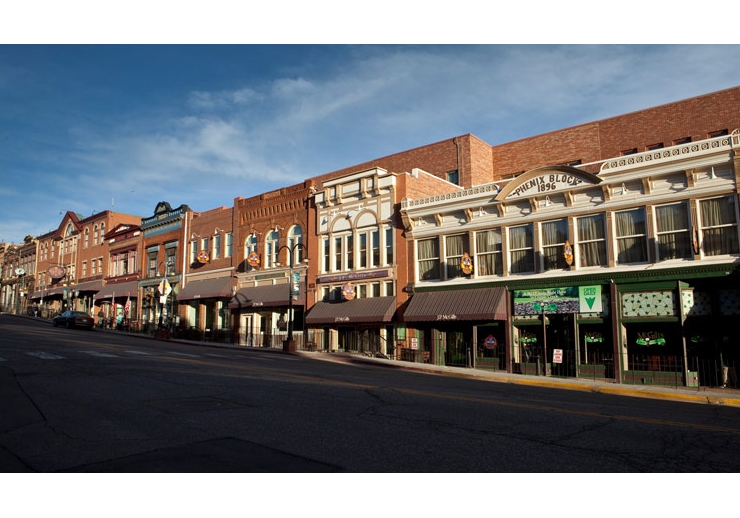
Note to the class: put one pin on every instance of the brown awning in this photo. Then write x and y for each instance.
(218, 288)
(348, 312)
(271, 295)
(471, 304)
(88, 286)
(120, 289)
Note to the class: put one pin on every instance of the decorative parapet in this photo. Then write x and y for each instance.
(490, 188)
(657, 156)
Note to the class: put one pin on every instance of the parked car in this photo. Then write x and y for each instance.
(73, 319)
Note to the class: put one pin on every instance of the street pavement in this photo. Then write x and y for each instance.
(702, 395)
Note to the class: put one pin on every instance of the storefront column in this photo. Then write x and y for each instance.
(619, 365)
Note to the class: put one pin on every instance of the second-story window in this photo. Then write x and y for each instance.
(87, 237)
(428, 259)
(672, 224)
(455, 247)
(152, 257)
(170, 260)
(325, 254)
(521, 249)
(631, 236)
(591, 247)
(719, 226)
(389, 246)
(295, 238)
(217, 246)
(229, 244)
(554, 236)
(488, 252)
(271, 248)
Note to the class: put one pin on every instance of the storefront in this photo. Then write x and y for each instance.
(205, 302)
(355, 325)
(118, 305)
(463, 327)
(261, 315)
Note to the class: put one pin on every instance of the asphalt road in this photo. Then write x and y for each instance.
(91, 401)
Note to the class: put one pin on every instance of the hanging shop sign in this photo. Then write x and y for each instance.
(557, 356)
(253, 259)
(348, 291)
(650, 338)
(490, 342)
(466, 264)
(281, 322)
(568, 253)
(56, 272)
(203, 257)
(569, 299)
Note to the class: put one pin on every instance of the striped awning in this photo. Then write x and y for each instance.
(271, 295)
(482, 304)
(120, 289)
(369, 310)
(218, 288)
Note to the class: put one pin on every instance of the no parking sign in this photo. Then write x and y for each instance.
(490, 342)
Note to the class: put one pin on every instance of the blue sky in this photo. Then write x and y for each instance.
(93, 127)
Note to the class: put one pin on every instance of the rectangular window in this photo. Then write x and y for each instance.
(193, 252)
(375, 289)
(554, 236)
(521, 249)
(84, 269)
(171, 260)
(388, 247)
(455, 247)
(631, 236)
(679, 141)
(389, 291)
(718, 133)
(488, 249)
(653, 147)
(338, 254)
(204, 244)
(326, 256)
(719, 226)
(363, 249)
(216, 247)
(152, 264)
(453, 177)
(325, 293)
(630, 151)
(591, 241)
(350, 256)
(672, 223)
(362, 291)
(375, 244)
(229, 244)
(428, 259)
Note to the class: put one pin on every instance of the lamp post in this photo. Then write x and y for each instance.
(164, 288)
(293, 291)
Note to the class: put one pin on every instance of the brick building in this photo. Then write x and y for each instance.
(209, 272)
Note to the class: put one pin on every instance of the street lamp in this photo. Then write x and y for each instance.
(293, 290)
(164, 288)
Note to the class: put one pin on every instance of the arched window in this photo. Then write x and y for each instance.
(95, 235)
(295, 237)
(250, 245)
(87, 237)
(271, 247)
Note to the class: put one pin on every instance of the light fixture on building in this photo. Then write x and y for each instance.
(217, 231)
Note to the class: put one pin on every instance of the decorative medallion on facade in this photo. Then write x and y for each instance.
(253, 259)
(466, 264)
(568, 253)
(56, 272)
(348, 291)
(203, 257)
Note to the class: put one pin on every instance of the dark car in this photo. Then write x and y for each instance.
(74, 319)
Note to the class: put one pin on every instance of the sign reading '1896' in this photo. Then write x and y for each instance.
(546, 183)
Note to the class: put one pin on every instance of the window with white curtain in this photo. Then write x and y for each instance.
(554, 236)
(719, 226)
(631, 236)
(455, 247)
(673, 231)
(271, 248)
(591, 249)
(488, 252)
(428, 259)
(521, 249)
